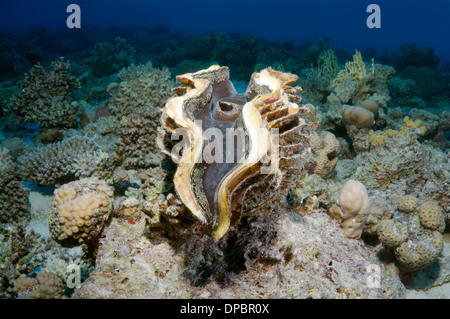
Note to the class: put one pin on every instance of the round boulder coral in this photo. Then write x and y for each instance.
(370, 105)
(416, 254)
(407, 203)
(431, 216)
(392, 234)
(79, 211)
(358, 116)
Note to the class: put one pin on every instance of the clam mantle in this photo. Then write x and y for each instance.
(266, 156)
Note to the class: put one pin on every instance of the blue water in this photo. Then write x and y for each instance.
(423, 22)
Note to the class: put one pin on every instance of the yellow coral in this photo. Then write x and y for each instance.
(355, 69)
(407, 203)
(79, 211)
(392, 234)
(407, 123)
(376, 138)
(431, 216)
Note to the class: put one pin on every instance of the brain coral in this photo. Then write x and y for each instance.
(407, 203)
(392, 234)
(413, 255)
(268, 125)
(45, 96)
(79, 211)
(431, 216)
(59, 162)
(142, 87)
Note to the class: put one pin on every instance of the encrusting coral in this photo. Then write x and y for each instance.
(413, 234)
(79, 212)
(45, 96)
(407, 203)
(392, 233)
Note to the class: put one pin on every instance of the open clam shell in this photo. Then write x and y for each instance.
(236, 149)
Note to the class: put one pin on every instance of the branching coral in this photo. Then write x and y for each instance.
(137, 147)
(356, 70)
(63, 161)
(142, 88)
(357, 83)
(44, 286)
(45, 96)
(327, 66)
(108, 58)
(14, 203)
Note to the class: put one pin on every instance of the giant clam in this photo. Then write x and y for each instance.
(262, 131)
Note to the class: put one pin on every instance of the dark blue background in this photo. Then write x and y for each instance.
(426, 23)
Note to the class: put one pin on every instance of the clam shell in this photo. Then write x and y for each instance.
(259, 140)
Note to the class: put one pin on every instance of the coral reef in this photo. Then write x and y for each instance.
(137, 147)
(19, 252)
(14, 203)
(45, 96)
(413, 247)
(44, 286)
(323, 156)
(286, 256)
(357, 83)
(64, 161)
(109, 58)
(79, 212)
(108, 167)
(141, 88)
